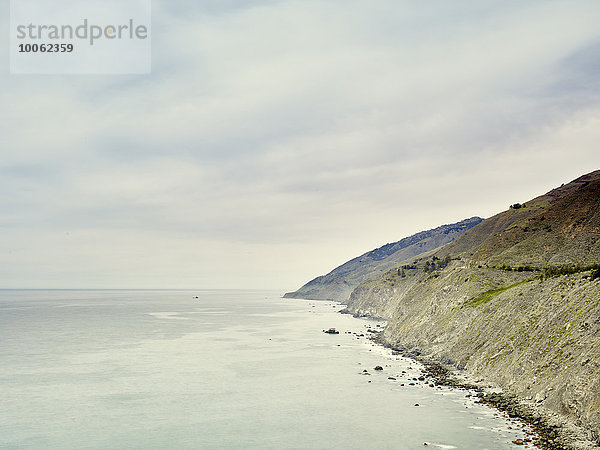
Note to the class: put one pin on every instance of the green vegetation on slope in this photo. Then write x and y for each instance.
(548, 272)
(487, 296)
(341, 281)
(556, 271)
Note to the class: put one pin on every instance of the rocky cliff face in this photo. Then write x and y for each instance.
(341, 281)
(515, 300)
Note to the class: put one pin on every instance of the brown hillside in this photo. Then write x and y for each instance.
(559, 228)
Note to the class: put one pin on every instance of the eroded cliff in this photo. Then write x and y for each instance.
(515, 300)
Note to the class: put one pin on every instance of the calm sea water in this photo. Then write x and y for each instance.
(229, 369)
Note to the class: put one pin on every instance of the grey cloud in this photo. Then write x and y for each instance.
(577, 83)
(297, 128)
(191, 8)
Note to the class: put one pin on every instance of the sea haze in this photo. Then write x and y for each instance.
(215, 369)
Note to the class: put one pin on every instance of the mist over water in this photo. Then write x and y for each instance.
(229, 369)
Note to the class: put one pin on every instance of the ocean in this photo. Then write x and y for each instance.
(216, 369)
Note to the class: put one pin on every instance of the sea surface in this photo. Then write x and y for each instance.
(216, 369)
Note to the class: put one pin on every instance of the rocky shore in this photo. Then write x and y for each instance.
(548, 431)
(531, 431)
(512, 306)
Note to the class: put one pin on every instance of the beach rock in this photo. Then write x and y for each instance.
(378, 368)
(331, 331)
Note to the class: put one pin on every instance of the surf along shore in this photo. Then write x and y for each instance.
(544, 430)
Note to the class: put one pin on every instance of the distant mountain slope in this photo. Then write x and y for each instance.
(514, 301)
(341, 281)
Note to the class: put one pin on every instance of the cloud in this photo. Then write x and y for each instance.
(292, 131)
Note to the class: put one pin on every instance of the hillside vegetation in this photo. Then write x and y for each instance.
(341, 281)
(514, 300)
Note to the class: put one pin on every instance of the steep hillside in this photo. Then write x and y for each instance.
(341, 281)
(515, 300)
(560, 227)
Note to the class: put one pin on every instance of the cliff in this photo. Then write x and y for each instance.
(341, 281)
(515, 300)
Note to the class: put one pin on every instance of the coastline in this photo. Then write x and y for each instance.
(537, 433)
(550, 430)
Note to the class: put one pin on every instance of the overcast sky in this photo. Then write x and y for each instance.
(276, 139)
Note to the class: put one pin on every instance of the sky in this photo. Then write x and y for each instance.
(276, 139)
